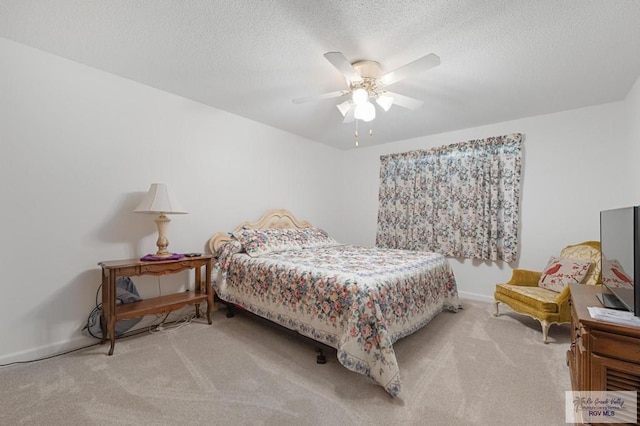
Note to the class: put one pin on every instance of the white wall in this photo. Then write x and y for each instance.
(576, 163)
(80, 147)
(633, 119)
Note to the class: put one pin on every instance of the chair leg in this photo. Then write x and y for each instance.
(545, 330)
(495, 308)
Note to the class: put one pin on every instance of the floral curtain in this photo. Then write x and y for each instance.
(461, 200)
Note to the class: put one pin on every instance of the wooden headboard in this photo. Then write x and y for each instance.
(276, 218)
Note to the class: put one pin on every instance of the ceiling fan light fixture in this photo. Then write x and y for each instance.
(385, 102)
(360, 96)
(365, 112)
(344, 107)
(366, 82)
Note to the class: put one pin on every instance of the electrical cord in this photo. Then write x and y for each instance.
(48, 357)
(158, 327)
(173, 326)
(92, 314)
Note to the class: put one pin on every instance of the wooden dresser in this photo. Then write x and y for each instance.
(602, 356)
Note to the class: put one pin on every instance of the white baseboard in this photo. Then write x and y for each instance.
(49, 350)
(475, 296)
(80, 340)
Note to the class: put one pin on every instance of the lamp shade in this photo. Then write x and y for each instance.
(159, 200)
(344, 107)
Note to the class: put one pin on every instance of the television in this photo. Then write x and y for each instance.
(620, 257)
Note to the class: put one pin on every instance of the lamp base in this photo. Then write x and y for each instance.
(162, 221)
(162, 254)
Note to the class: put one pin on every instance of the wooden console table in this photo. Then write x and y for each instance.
(111, 270)
(603, 356)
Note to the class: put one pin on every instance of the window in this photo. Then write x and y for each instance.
(461, 200)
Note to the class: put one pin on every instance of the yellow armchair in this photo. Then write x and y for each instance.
(523, 295)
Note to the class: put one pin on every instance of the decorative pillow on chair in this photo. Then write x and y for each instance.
(561, 271)
(584, 251)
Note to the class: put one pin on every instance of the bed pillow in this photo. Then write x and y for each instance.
(314, 238)
(226, 250)
(561, 271)
(257, 242)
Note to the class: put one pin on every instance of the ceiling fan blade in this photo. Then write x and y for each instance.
(338, 60)
(349, 116)
(319, 97)
(415, 67)
(405, 101)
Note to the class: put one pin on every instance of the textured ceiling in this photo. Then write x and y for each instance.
(501, 60)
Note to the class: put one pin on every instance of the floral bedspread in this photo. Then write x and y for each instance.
(359, 300)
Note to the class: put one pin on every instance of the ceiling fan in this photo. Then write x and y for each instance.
(366, 82)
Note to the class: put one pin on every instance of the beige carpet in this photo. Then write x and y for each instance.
(467, 368)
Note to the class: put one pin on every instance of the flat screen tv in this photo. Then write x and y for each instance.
(620, 255)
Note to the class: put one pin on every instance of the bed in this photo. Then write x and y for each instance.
(358, 300)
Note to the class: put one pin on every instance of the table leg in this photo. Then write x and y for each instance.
(110, 308)
(112, 334)
(103, 327)
(209, 289)
(198, 286)
(103, 313)
(209, 304)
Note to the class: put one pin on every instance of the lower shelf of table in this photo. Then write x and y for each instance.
(157, 305)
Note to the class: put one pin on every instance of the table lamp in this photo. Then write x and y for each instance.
(159, 200)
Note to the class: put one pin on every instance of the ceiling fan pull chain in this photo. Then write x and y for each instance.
(356, 133)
